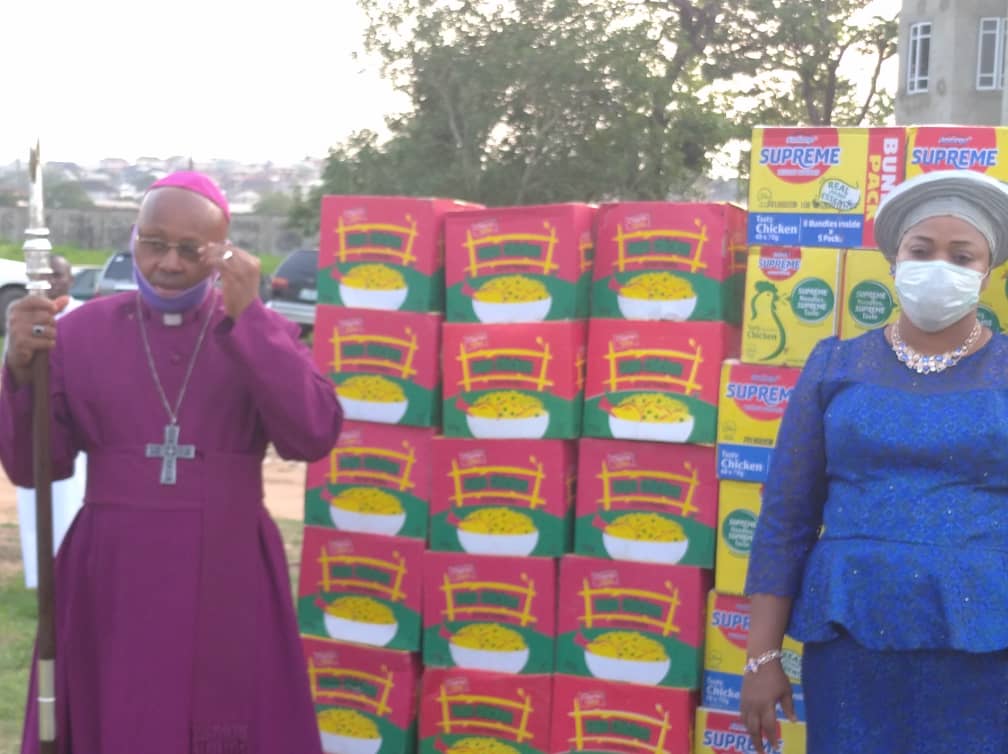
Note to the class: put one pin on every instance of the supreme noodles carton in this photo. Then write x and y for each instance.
(514, 381)
(868, 295)
(655, 380)
(668, 260)
(377, 480)
(870, 300)
(983, 149)
(645, 501)
(752, 403)
(631, 622)
(476, 712)
(591, 715)
(489, 612)
(791, 303)
(385, 365)
(519, 264)
(720, 732)
(383, 252)
(725, 655)
(502, 497)
(821, 186)
(361, 588)
(365, 698)
(739, 505)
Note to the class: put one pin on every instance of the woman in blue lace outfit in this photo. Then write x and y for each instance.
(882, 543)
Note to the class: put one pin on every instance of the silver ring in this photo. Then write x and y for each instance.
(227, 255)
(38, 330)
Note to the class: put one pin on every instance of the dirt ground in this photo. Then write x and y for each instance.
(284, 483)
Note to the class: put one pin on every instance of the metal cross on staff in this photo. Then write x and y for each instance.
(38, 254)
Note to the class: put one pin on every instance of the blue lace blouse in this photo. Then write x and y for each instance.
(886, 508)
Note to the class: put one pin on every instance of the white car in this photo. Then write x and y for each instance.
(13, 285)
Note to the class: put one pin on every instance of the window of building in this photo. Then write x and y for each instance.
(920, 54)
(991, 54)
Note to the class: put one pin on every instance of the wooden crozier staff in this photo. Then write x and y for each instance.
(38, 254)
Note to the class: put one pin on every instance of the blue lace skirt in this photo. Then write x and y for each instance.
(918, 702)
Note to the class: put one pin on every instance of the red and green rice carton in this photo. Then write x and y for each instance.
(519, 264)
(792, 297)
(669, 261)
(383, 252)
(870, 300)
(476, 712)
(719, 732)
(752, 404)
(591, 715)
(385, 365)
(365, 698)
(377, 480)
(646, 501)
(514, 381)
(725, 656)
(869, 297)
(983, 149)
(655, 381)
(502, 497)
(631, 622)
(821, 186)
(739, 505)
(361, 588)
(489, 612)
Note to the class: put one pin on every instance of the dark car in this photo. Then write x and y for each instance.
(293, 289)
(85, 282)
(116, 275)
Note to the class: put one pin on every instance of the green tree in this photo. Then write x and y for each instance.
(276, 203)
(65, 195)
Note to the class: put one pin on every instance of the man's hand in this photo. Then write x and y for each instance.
(239, 274)
(31, 329)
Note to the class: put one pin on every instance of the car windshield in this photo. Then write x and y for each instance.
(299, 265)
(120, 267)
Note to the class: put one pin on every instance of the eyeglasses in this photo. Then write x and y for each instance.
(188, 250)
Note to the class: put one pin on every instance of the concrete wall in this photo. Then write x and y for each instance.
(952, 96)
(110, 229)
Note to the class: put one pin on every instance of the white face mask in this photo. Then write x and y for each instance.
(935, 295)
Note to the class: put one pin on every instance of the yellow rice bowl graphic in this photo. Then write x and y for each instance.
(489, 646)
(656, 295)
(480, 745)
(627, 656)
(497, 531)
(507, 414)
(367, 509)
(372, 398)
(373, 286)
(511, 298)
(645, 537)
(346, 731)
(360, 619)
(650, 416)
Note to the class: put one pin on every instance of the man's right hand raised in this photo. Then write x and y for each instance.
(31, 329)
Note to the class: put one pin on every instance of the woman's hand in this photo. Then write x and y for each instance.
(761, 691)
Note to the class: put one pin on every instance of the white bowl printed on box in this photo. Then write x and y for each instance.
(381, 412)
(625, 429)
(677, 310)
(621, 548)
(519, 311)
(650, 673)
(478, 543)
(375, 634)
(526, 428)
(370, 298)
(367, 523)
(333, 743)
(513, 661)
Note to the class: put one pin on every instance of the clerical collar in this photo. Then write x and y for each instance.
(177, 319)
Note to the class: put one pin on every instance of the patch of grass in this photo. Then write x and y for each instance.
(17, 638)
(292, 532)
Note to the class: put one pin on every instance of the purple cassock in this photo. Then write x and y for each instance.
(174, 619)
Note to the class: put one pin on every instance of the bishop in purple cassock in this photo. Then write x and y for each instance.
(174, 619)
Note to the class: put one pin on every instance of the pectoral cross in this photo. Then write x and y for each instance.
(169, 452)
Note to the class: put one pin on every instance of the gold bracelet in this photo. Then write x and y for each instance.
(753, 664)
